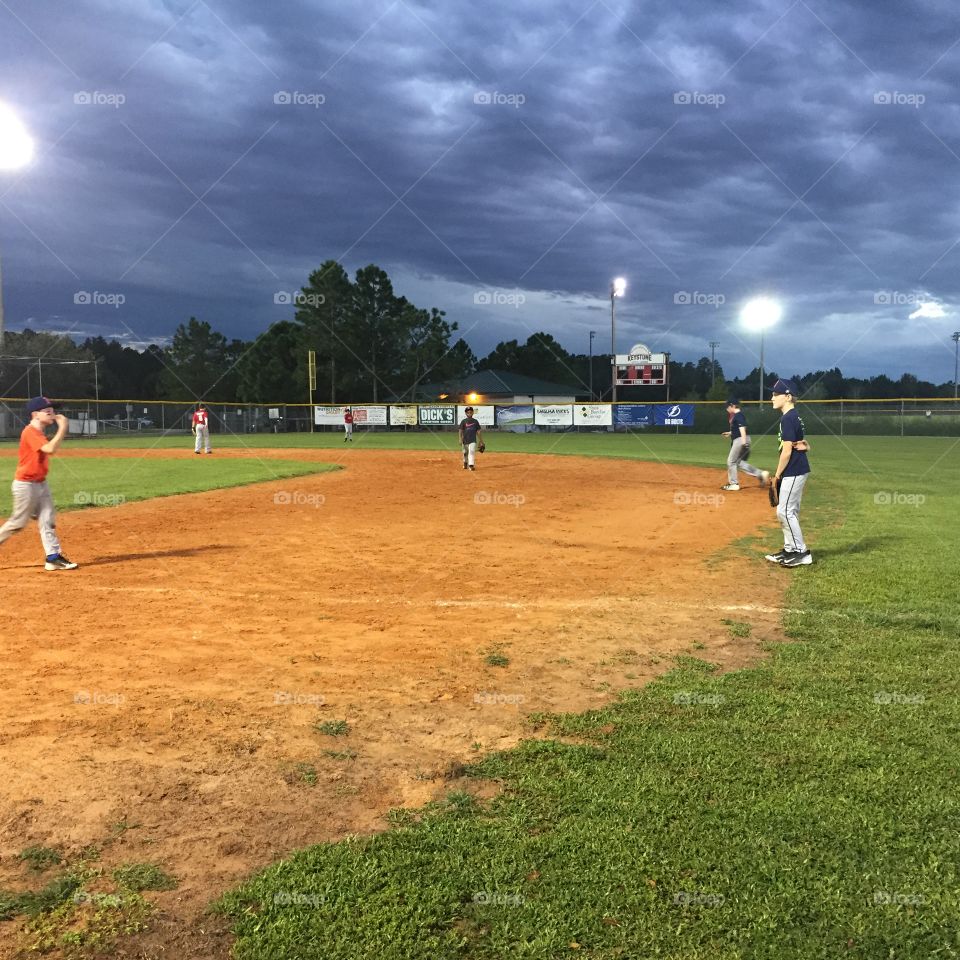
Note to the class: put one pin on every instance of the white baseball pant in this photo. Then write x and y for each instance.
(33, 500)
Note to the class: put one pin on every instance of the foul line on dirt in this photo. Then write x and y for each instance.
(598, 602)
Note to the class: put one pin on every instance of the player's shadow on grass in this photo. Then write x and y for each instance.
(156, 555)
(866, 545)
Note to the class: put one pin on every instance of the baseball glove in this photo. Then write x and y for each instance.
(482, 448)
(773, 491)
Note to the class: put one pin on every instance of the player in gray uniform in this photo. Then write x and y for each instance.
(739, 448)
(793, 469)
(470, 436)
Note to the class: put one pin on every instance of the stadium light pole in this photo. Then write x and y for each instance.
(617, 289)
(16, 151)
(956, 360)
(713, 362)
(759, 314)
(593, 333)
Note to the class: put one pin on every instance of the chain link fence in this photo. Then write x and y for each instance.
(129, 418)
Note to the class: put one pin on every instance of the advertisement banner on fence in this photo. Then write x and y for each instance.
(484, 414)
(674, 414)
(593, 415)
(403, 416)
(550, 415)
(633, 415)
(518, 416)
(322, 416)
(373, 416)
(437, 416)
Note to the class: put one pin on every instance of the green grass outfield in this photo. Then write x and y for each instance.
(806, 808)
(109, 481)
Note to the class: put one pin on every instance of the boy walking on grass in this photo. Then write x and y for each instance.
(31, 495)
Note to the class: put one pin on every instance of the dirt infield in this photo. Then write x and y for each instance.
(159, 700)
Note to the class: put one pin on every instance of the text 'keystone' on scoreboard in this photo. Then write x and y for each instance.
(642, 368)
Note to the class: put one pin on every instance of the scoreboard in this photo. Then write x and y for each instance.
(641, 368)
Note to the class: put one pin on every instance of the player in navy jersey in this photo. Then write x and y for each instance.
(739, 449)
(470, 436)
(792, 471)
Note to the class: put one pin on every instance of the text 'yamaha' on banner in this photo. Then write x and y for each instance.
(674, 414)
(438, 416)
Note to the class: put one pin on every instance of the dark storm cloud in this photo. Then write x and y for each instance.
(706, 153)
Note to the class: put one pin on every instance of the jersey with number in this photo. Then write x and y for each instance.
(200, 418)
(348, 418)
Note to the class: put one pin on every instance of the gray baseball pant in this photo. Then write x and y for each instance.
(739, 451)
(788, 512)
(33, 500)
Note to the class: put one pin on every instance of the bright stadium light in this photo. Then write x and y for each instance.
(619, 287)
(759, 314)
(16, 145)
(473, 397)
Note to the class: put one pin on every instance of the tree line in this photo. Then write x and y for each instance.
(370, 345)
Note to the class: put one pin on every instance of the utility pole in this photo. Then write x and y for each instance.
(593, 333)
(713, 363)
(956, 360)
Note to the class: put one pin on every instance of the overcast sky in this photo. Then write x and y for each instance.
(200, 158)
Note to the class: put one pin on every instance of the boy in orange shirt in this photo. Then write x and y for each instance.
(31, 495)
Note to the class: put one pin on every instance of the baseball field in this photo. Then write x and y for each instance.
(311, 700)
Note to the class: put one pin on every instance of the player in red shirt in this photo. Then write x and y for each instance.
(31, 495)
(200, 426)
(348, 425)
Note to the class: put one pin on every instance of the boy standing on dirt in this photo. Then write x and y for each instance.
(31, 495)
(739, 448)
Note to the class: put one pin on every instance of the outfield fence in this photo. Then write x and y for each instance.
(127, 418)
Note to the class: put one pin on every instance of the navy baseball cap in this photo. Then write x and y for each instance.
(784, 386)
(40, 403)
(733, 402)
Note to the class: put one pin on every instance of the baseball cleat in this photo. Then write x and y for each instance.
(60, 562)
(197, 452)
(764, 477)
(780, 556)
(798, 559)
(473, 468)
(730, 486)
